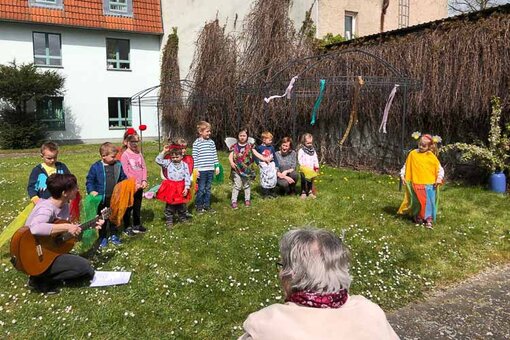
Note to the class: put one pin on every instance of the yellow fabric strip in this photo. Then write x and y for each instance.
(17, 223)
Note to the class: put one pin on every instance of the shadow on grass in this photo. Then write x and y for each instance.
(147, 215)
(391, 210)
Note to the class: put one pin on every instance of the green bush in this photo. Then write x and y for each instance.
(491, 156)
(21, 86)
(20, 131)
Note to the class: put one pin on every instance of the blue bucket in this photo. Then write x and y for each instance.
(497, 182)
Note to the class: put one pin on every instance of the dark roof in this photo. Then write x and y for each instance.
(431, 24)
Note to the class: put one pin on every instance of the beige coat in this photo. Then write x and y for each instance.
(358, 318)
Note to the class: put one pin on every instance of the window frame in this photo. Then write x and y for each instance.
(117, 60)
(108, 10)
(47, 55)
(46, 119)
(128, 121)
(354, 19)
(53, 4)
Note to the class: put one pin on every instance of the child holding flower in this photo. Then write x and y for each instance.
(422, 174)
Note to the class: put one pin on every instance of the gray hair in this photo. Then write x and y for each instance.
(315, 260)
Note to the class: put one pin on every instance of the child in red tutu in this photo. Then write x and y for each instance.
(174, 191)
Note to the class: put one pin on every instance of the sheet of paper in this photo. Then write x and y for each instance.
(102, 279)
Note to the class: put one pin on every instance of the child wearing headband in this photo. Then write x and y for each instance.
(422, 174)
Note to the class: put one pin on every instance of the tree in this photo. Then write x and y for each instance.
(465, 6)
(21, 86)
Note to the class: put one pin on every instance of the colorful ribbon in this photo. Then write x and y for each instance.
(318, 102)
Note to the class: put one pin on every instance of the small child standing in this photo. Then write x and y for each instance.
(101, 179)
(188, 159)
(308, 166)
(241, 159)
(268, 169)
(37, 181)
(206, 162)
(422, 174)
(174, 191)
(127, 133)
(134, 166)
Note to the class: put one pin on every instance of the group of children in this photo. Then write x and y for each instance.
(422, 173)
(277, 168)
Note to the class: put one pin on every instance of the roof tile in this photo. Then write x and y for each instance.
(87, 13)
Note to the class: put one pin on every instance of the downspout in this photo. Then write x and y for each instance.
(384, 8)
(317, 20)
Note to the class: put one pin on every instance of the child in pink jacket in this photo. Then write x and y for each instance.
(133, 165)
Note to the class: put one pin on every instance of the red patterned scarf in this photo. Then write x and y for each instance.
(318, 300)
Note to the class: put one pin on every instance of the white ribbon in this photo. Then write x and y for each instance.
(387, 109)
(287, 91)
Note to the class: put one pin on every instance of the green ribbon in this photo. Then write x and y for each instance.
(318, 102)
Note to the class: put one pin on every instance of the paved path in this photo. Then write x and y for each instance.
(478, 308)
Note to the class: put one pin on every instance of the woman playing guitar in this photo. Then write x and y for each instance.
(63, 188)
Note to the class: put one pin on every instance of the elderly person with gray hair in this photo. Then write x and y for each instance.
(315, 278)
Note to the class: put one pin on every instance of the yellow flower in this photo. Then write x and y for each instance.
(436, 139)
(416, 135)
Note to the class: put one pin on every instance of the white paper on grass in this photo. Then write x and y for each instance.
(102, 279)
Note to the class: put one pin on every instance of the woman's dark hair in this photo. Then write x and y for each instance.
(58, 183)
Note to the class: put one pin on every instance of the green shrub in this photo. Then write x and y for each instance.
(491, 157)
(21, 86)
(20, 131)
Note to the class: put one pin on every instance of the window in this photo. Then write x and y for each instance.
(50, 111)
(350, 25)
(117, 54)
(55, 4)
(118, 7)
(47, 49)
(119, 112)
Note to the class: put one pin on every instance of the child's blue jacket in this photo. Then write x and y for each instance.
(96, 178)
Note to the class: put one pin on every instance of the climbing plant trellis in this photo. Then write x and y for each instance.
(178, 108)
(355, 85)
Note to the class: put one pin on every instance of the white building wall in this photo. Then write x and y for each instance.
(88, 83)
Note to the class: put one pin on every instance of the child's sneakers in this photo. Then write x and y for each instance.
(247, 203)
(138, 229)
(114, 239)
(129, 231)
(103, 243)
(428, 223)
(234, 205)
(210, 210)
(169, 225)
(311, 195)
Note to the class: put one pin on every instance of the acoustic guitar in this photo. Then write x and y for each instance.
(33, 254)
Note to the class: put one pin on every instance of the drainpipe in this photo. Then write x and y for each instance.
(317, 21)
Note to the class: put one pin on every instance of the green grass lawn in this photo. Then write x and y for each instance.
(202, 280)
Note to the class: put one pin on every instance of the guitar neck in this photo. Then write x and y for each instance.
(84, 226)
(89, 224)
